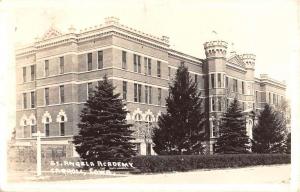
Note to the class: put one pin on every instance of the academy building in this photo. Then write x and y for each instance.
(56, 73)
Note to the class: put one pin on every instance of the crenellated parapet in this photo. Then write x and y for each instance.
(215, 48)
(249, 60)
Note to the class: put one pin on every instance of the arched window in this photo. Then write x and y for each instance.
(149, 120)
(62, 125)
(47, 127)
(33, 126)
(61, 119)
(24, 128)
(138, 118)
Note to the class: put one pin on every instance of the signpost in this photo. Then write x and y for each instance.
(38, 136)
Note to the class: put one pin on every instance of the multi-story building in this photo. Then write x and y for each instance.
(56, 73)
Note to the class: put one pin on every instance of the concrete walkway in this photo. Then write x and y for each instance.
(241, 179)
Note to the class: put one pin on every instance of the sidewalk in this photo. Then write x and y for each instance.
(240, 178)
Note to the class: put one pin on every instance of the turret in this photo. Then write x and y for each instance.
(215, 49)
(249, 60)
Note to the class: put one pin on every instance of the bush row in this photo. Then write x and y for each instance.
(154, 164)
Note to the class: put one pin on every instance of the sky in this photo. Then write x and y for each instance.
(267, 28)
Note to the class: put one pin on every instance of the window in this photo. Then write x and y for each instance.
(227, 103)
(256, 96)
(227, 82)
(46, 96)
(150, 95)
(46, 68)
(125, 90)
(137, 92)
(61, 65)
(243, 106)
(146, 94)
(235, 85)
(169, 72)
(89, 90)
(100, 59)
(138, 118)
(24, 74)
(124, 60)
(33, 126)
(269, 98)
(32, 100)
(147, 66)
(215, 128)
(32, 69)
(213, 103)
(274, 98)
(148, 149)
(24, 101)
(62, 126)
(89, 61)
(138, 148)
(62, 93)
(47, 127)
(196, 78)
(99, 83)
(24, 128)
(212, 77)
(219, 103)
(243, 87)
(219, 80)
(159, 96)
(158, 69)
(137, 63)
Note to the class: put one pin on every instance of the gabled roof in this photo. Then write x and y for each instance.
(236, 60)
(52, 32)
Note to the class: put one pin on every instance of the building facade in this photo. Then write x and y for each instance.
(56, 73)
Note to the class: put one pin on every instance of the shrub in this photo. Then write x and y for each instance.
(155, 164)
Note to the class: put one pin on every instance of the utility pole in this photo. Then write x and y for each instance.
(38, 152)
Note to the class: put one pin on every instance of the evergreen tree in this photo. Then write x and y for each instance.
(180, 129)
(269, 133)
(103, 131)
(288, 143)
(233, 136)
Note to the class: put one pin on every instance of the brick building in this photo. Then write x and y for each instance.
(56, 73)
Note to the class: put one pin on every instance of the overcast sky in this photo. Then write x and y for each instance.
(266, 28)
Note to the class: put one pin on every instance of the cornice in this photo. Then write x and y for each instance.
(270, 82)
(93, 33)
(184, 56)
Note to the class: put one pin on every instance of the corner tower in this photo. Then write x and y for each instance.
(215, 69)
(249, 60)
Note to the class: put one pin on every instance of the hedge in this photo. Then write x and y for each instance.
(154, 164)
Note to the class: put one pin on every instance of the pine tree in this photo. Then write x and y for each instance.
(288, 143)
(233, 137)
(269, 133)
(103, 131)
(180, 129)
